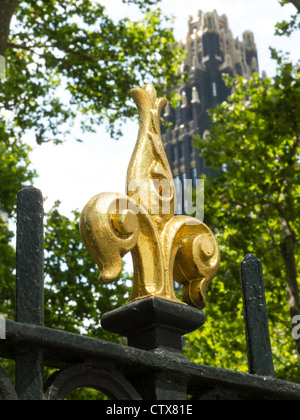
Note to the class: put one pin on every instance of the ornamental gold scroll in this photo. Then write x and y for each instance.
(164, 247)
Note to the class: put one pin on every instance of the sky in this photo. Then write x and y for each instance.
(74, 172)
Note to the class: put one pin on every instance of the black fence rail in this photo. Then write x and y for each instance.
(124, 372)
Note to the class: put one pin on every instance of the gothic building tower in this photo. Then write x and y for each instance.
(211, 52)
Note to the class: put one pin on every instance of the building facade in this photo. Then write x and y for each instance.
(211, 51)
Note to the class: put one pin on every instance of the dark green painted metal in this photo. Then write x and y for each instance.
(154, 323)
(30, 288)
(256, 317)
(29, 257)
(152, 367)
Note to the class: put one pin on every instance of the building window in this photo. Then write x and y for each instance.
(181, 150)
(178, 116)
(215, 90)
(209, 24)
(175, 153)
(191, 144)
(195, 177)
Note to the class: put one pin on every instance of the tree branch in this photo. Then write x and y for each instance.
(7, 9)
(296, 3)
(22, 47)
(81, 54)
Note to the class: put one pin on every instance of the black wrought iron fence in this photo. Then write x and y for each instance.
(152, 367)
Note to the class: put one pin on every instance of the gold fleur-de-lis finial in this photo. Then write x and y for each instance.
(164, 247)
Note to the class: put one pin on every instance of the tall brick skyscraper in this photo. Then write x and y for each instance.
(212, 51)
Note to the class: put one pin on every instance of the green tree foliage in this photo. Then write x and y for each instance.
(254, 205)
(288, 27)
(74, 301)
(65, 60)
(7, 264)
(68, 59)
(58, 49)
(14, 174)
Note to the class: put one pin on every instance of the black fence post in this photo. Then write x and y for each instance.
(30, 289)
(256, 317)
